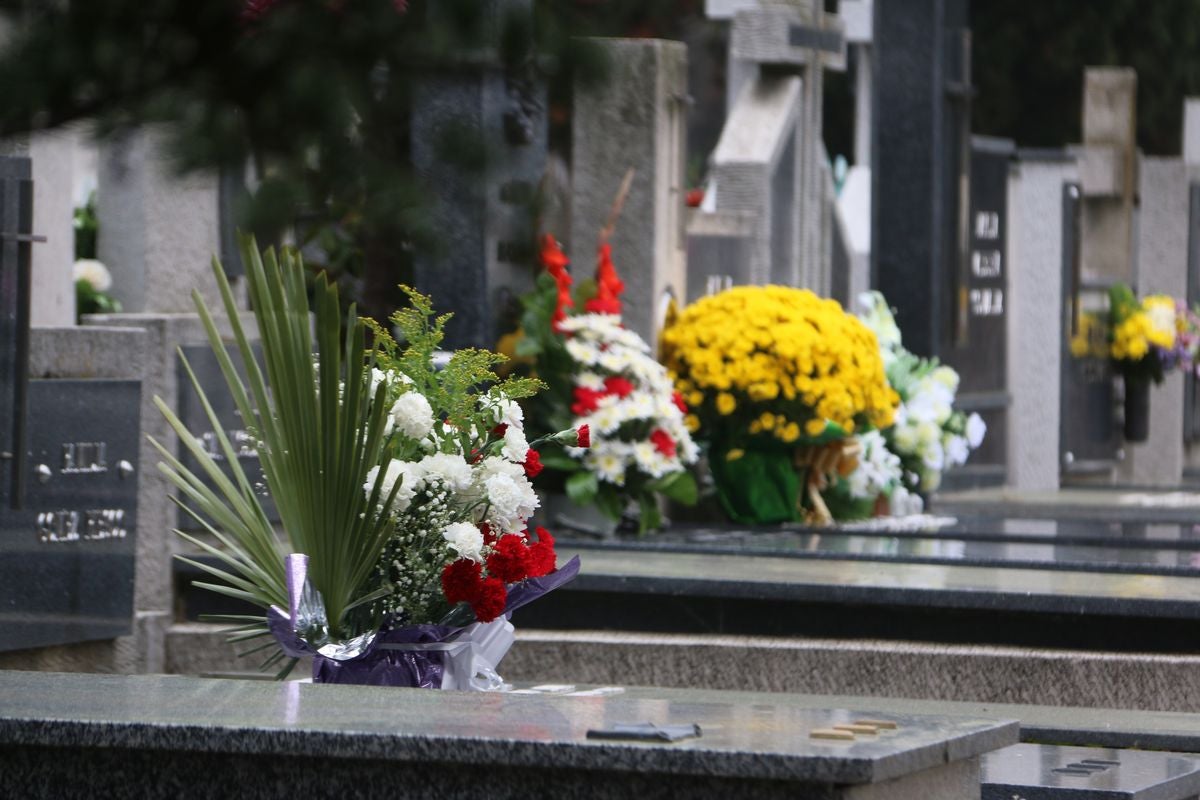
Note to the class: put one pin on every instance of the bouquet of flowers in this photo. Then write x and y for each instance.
(92, 283)
(403, 492)
(1144, 338)
(603, 379)
(928, 434)
(778, 380)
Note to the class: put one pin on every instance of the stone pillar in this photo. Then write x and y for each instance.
(917, 161)
(1034, 333)
(482, 207)
(1162, 267)
(52, 298)
(634, 120)
(158, 230)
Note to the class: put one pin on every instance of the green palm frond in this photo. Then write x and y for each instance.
(318, 434)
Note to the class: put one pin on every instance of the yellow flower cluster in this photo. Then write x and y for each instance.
(1154, 325)
(1092, 337)
(785, 359)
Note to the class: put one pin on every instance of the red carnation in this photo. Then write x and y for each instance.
(608, 285)
(584, 434)
(541, 556)
(500, 429)
(533, 463)
(663, 442)
(461, 580)
(677, 399)
(694, 198)
(489, 601)
(509, 559)
(615, 384)
(489, 538)
(586, 401)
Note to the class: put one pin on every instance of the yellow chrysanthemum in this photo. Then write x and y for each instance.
(783, 351)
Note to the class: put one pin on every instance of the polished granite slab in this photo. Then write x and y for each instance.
(939, 586)
(1049, 772)
(1040, 724)
(1091, 545)
(46, 718)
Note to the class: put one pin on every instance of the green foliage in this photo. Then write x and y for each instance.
(1029, 57)
(87, 226)
(454, 390)
(318, 433)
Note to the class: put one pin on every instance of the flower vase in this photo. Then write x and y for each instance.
(1137, 409)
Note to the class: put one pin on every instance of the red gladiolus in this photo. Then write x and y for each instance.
(509, 559)
(615, 384)
(663, 442)
(586, 401)
(608, 285)
(489, 601)
(584, 436)
(555, 262)
(541, 556)
(678, 400)
(533, 463)
(461, 580)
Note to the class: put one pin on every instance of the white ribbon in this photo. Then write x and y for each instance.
(471, 656)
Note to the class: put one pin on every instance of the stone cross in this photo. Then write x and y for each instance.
(777, 53)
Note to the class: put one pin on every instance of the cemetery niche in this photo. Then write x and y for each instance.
(68, 471)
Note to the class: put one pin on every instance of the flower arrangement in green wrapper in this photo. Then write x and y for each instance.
(777, 380)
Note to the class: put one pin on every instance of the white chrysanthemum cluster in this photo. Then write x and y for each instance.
(921, 428)
(626, 398)
(94, 273)
(928, 434)
(878, 468)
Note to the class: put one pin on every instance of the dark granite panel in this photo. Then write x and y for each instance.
(57, 774)
(67, 556)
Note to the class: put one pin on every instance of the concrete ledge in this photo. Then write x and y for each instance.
(913, 670)
(986, 674)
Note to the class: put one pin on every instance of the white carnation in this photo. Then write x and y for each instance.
(450, 468)
(413, 415)
(511, 501)
(464, 539)
(515, 445)
(407, 473)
